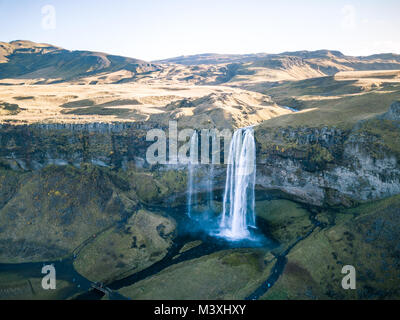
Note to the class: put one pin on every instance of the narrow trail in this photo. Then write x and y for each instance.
(75, 252)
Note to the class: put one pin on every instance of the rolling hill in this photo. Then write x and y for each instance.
(29, 60)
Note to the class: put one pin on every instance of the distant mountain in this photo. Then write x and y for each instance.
(213, 58)
(314, 54)
(45, 63)
(26, 59)
(327, 62)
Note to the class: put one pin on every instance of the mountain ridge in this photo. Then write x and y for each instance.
(27, 59)
(45, 64)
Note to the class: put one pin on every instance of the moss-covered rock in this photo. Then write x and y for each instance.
(9, 184)
(156, 187)
(331, 166)
(286, 220)
(127, 249)
(393, 113)
(52, 211)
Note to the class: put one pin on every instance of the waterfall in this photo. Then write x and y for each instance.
(238, 203)
(211, 173)
(210, 187)
(193, 160)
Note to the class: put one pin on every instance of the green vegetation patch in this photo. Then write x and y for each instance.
(363, 237)
(287, 221)
(49, 213)
(230, 274)
(126, 249)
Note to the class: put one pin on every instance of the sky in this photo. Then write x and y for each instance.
(157, 29)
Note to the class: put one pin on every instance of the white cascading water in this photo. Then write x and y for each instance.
(238, 203)
(193, 160)
(210, 187)
(211, 173)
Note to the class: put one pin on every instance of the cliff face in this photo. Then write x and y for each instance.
(35, 146)
(331, 166)
(323, 166)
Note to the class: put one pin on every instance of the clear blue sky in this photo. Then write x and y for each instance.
(155, 29)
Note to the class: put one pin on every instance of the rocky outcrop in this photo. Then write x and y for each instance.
(331, 166)
(32, 147)
(126, 249)
(393, 113)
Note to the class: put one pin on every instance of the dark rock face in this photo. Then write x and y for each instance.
(324, 166)
(105, 144)
(393, 113)
(331, 166)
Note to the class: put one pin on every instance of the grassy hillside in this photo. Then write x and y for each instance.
(339, 100)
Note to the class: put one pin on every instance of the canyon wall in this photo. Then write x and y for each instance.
(323, 166)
